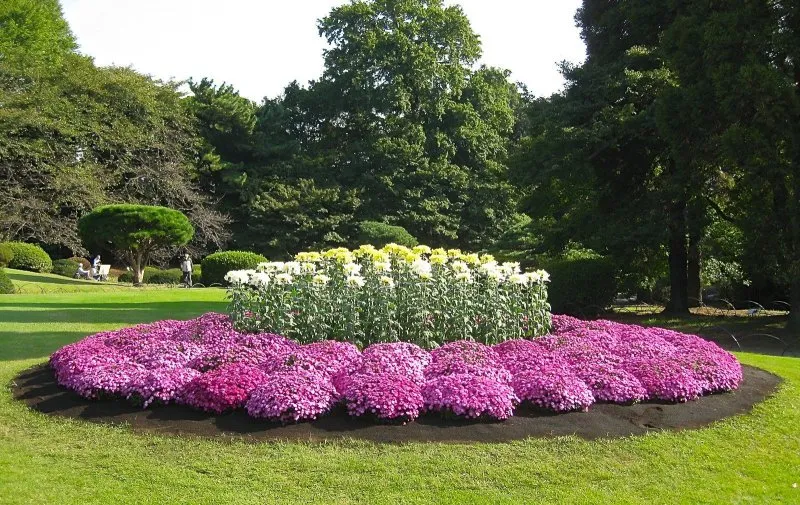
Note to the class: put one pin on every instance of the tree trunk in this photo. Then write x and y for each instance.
(138, 269)
(694, 286)
(678, 261)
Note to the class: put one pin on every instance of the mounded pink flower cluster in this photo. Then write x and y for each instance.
(206, 364)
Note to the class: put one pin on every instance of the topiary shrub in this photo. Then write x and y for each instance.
(6, 286)
(134, 232)
(216, 265)
(157, 276)
(67, 268)
(582, 285)
(380, 234)
(6, 255)
(29, 257)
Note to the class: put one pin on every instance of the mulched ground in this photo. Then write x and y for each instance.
(38, 389)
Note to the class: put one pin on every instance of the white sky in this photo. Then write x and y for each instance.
(259, 46)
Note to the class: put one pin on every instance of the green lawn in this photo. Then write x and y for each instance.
(753, 458)
(36, 283)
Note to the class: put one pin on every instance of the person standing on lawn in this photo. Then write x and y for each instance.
(186, 268)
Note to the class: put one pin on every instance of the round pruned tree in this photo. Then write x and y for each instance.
(134, 232)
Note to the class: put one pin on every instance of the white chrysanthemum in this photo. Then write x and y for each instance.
(533, 277)
(284, 278)
(351, 268)
(238, 276)
(464, 277)
(320, 279)
(260, 278)
(459, 267)
(426, 276)
(272, 266)
(489, 266)
(356, 281)
(387, 281)
(495, 275)
(545, 276)
(420, 266)
(292, 267)
(308, 267)
(510, 268)
(382, 266)
(518, 279)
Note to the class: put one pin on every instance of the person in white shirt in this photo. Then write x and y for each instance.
(81, 273)
(186, 268)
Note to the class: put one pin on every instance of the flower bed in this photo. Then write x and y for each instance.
(368, 295)
(207, 364)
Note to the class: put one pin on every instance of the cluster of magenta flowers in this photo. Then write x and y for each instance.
(208, 365)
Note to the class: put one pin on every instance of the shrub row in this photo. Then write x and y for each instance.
(67, 267)
(217, 265)
(581, 285)
(380, 234)
(154, 275)
(29, 257)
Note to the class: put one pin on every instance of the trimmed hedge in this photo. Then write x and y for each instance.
(67, 268)
(6, 255)
(380, 234)
(29, 257)
(216, 265)
(154, 275)
(582, 286)
(6, 286)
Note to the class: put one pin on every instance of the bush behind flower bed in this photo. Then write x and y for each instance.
(217, 265)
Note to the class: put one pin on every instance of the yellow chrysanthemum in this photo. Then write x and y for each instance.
(486, 258)
(308, 257)
(421, 249)
(471, 259)
(438, 259)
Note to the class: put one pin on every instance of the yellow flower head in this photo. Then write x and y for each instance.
(471, 259)
(364, 251)
(486, 258)
(308, 257)
(421, 249)
(438, 259)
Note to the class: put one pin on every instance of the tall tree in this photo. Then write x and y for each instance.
(411, 123)
(739, 66)
(613, 159)
(73, 136)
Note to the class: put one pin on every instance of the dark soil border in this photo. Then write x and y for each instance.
(37, 388)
